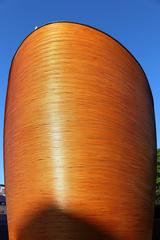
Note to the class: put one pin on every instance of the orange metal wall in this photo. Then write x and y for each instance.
(79, 140)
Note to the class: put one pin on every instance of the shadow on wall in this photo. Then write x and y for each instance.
(53, 223)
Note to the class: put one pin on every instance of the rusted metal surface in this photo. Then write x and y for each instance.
(79, 140)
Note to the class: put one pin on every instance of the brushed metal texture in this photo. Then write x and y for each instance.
(79, 139)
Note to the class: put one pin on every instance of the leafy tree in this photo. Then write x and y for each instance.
(158, 178)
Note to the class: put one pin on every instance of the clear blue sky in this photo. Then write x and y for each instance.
(136, 24)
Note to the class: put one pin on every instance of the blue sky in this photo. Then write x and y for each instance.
(136, 24)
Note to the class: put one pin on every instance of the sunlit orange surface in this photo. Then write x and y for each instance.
(79, 139)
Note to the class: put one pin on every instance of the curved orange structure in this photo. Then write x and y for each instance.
(79, 139)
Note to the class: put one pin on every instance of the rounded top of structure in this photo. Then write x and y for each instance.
(77, 25)
(62, 26)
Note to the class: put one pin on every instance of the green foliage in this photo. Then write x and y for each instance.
(158, 177)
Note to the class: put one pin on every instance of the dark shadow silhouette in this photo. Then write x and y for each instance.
(156, 226)
(3, 232)
(55, 224)
(3, 227)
